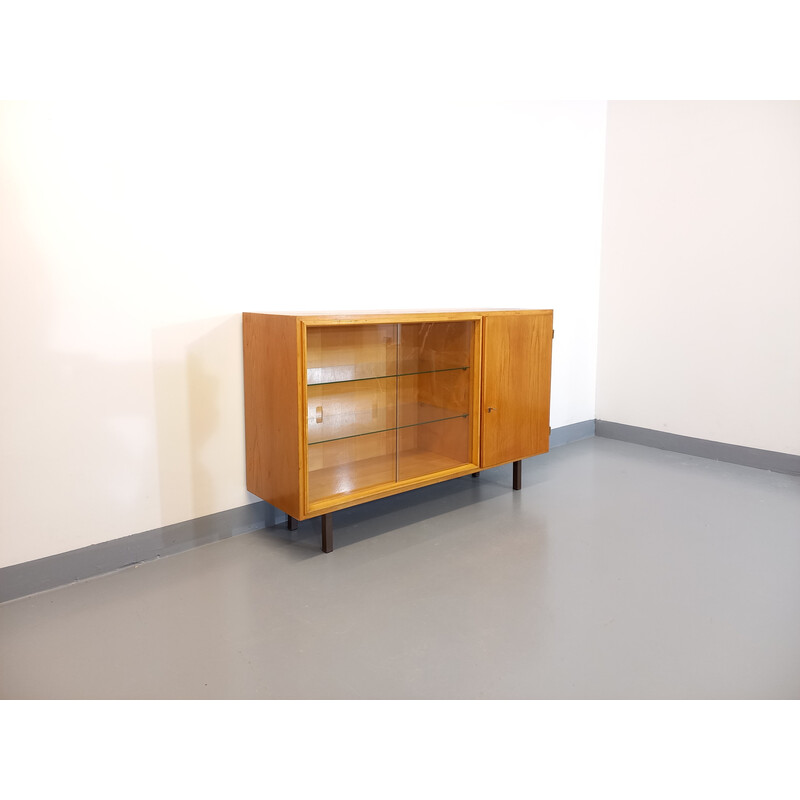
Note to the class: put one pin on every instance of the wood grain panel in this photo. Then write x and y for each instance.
(272, 393)
(517, 353)
(388, 317)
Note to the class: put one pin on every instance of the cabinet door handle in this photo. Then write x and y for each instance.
(490, 409)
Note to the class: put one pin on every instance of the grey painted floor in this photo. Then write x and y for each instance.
(618, 571)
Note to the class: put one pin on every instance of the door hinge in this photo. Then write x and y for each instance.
(554, 333)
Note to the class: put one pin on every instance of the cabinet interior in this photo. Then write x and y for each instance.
(386, 403)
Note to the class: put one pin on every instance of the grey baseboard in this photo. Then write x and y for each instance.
(717, 451)
(20, 580)
(571, 433)
(31, 577)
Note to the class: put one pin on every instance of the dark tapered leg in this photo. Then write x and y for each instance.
(291, 523)
(517, 474)
(327, 533)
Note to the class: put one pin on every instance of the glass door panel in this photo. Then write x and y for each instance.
(432, 396)
(386, 403)
(351, 411)
(431, 346)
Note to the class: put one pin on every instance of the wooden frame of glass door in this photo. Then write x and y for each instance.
(414, 475)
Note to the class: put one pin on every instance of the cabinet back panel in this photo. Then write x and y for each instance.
(350, 352)
(448, 438)
(336, 410)
(433, 395)
(426, 449)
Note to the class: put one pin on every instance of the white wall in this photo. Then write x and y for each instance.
(133, 236)
(700, 288)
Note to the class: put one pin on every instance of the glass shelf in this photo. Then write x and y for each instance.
(341, 410)
(384, 430)
(314, 375)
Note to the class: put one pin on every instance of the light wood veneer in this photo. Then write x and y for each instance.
(341, 409)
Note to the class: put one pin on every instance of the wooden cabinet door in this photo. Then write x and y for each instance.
(515, 413)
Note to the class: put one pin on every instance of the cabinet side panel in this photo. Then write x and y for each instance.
(517, 355)
(271, 410)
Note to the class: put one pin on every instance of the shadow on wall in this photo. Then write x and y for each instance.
(198, 384)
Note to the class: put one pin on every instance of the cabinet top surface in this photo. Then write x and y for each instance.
(354, 316)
